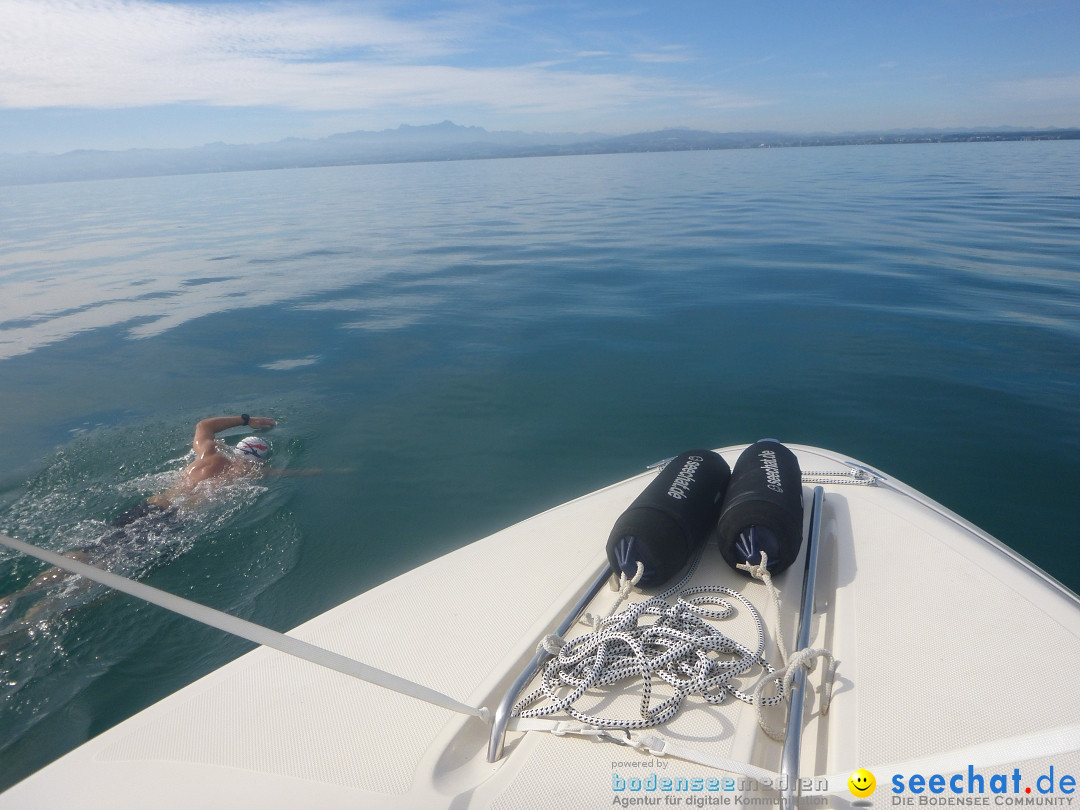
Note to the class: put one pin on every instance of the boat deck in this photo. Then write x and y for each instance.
(952, 651)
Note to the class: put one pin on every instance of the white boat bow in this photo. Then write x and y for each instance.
(954, 684)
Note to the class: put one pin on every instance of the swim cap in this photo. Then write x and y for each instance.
(253, 447)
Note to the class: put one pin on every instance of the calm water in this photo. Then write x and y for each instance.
(458, 346)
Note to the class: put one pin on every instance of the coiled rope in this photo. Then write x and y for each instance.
(679, 647)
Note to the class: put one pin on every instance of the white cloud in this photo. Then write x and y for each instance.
(668, 54)
(117, 53)
(1042, 89)
(131, 53)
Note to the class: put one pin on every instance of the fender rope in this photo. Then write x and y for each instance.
(800, 658)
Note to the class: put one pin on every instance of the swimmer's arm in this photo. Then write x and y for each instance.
(208, 428)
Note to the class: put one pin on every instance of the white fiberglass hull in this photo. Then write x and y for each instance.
(956, 660)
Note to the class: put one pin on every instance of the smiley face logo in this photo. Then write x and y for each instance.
(861, 783)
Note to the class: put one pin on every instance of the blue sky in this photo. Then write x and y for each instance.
(115, 74)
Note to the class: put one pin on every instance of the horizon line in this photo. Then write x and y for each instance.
(593, 136)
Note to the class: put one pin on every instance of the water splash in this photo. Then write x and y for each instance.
(59, 640)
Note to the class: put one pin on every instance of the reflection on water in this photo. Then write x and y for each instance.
(394, 243)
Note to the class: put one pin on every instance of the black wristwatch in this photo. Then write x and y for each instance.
(245, 418)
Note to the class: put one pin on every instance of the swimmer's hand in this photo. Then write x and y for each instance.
(261, 422)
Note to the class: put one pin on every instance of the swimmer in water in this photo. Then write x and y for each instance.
(213, 464)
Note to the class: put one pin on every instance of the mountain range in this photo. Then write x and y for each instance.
(445, 141)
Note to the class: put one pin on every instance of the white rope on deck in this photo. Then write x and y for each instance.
(680, 647)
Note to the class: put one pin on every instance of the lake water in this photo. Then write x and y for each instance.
(457, 346)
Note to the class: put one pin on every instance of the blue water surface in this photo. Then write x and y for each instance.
(457, 346)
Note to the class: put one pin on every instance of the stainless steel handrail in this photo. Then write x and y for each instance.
(789, 763)
(506, 705)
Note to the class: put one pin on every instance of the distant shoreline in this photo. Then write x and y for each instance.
(958, 137)
(445, 142)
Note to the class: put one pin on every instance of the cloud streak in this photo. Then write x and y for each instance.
(1065, 89)
(131, 52)
(111, 54)
(78, 74)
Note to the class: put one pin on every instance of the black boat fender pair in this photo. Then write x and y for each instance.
(755, 507)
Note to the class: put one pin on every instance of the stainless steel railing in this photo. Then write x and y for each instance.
(789, 762)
